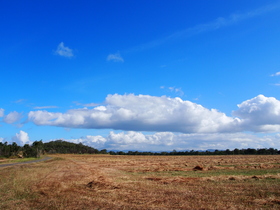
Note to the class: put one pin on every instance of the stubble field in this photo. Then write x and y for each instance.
(143, 182)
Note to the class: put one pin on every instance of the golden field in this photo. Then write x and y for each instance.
(143, 182)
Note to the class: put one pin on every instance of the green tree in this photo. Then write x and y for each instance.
(38, 147)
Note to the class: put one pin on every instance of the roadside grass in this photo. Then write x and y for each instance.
(16, 183)
(17, 160)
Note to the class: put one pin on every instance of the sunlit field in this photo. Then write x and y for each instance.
(143, 182)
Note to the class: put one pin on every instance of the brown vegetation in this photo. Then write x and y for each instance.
(143, 182)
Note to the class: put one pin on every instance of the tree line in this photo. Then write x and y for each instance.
(249, 151)
(14, 150)
(38, 148)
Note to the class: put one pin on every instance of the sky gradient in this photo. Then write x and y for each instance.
(141, 75)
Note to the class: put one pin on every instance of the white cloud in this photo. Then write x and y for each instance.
(64, 51)
(12, 117)
(1, 112)
(22, 138)
(115, 57)
(276, 74)
(161, 114)
(141, 113)
(94, 141)
(260, 114)
(1, 139)
(163, 141)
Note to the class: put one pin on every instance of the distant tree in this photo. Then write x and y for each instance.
(236, 151)
(228, 152)
(14, 149)
(272, 151)
(250, 151)
(112, 153)
(38, 148)
(103, 151)
(28, 151)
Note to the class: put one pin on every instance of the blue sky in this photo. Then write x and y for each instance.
(141, 75)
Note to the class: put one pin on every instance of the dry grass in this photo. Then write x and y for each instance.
(143, 182)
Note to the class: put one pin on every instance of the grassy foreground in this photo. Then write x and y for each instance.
(143, 182)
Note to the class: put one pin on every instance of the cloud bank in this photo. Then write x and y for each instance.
(167, 141)
(164, 114)
(141, 113)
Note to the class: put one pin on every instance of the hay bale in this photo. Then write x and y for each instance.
(198, 168)
(255, 177)
(90, 184)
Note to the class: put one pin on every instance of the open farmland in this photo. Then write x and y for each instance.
(143, 182)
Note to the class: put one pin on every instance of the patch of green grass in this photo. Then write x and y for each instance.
(18, 160)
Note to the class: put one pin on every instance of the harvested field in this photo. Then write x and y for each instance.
(143, 182)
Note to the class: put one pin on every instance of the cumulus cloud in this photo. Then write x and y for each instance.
(129, 140)
(260, 114)
(163, 141)
(95, 141)
(1, 112)
(12, 117)
(115, 57)
(162, 114)
(141, 113)
(22, 138)
(64, 51)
